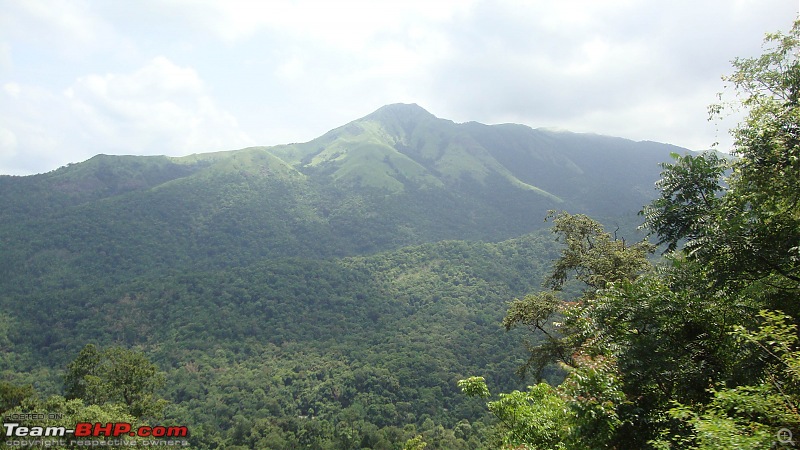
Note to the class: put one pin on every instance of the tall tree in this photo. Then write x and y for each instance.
(590, 255)
(115, 375)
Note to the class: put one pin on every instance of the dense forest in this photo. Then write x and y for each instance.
(287, 350)
(373, 287)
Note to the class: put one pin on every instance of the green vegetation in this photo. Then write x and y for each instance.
(115, 375)
(331, 294)
(669, 355)
(363, 351)
(111, 386)
(287, 297)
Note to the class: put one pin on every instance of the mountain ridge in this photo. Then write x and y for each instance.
(439, 151)
(398, 176)
(429, 149)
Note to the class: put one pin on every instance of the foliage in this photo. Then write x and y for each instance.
(415, 443)
(596, 398)
(754, 233)
(598, 260)
(750, 416)
(595, 258)
(12, 395)
(776, 340)
(538, 416)
(297, 352)
(588, 409)
(115, 375)
(689, 189)
(474, 387)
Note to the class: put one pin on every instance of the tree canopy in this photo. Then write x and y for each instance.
(115, 375)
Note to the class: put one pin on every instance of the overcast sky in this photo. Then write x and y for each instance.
(175, 77)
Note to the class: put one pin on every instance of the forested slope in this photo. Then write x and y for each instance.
(376, 341)
(322, 295)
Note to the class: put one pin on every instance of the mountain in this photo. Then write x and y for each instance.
(357, 275)
(401, 147)
(399, 176)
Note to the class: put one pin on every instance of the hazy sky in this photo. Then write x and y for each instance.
(175, 77)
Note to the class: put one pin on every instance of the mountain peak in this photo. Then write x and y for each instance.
(401, 111)
(403, 107)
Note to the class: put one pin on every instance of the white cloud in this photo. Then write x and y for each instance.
(6, 61)
(29, 116)
(629, 68)
(72, 27)
(160, 108)
(347, 24)
(12, 89)
(8, 143)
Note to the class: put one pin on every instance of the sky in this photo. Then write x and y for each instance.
(176, 77)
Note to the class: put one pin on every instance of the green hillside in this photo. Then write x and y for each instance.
(397, 177)
(318, 295)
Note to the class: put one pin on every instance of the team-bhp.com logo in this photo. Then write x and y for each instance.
(88, 429)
